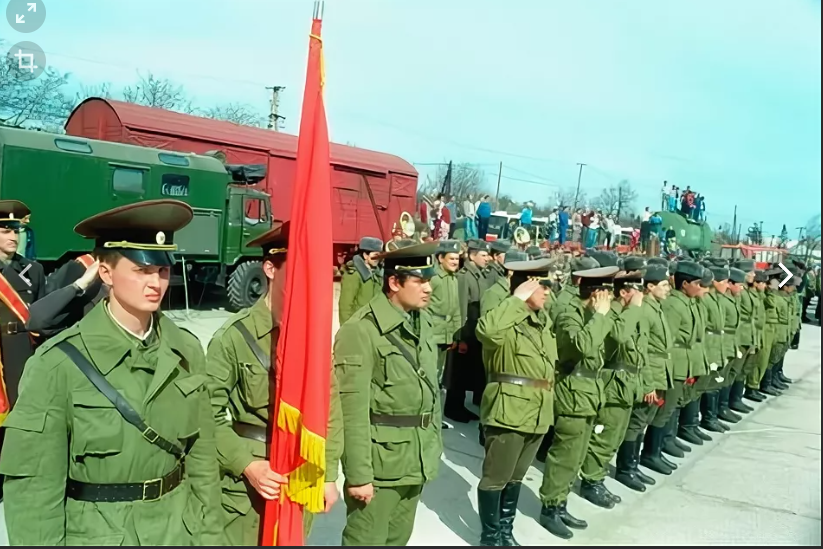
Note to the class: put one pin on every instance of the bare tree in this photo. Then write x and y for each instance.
(38, 101)
(238, 113)
(725, 235)
(618, 200)
(565, 197)
(466, 179)
(95, 90)
(810, 242)
(158, 92)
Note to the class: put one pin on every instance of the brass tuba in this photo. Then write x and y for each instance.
(521, 236)
(407, 224)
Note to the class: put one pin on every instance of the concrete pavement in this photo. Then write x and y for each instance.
(758, 484)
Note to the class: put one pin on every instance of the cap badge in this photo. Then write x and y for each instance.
(161, 238)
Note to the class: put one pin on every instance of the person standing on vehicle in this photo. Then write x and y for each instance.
(444, 311)
(526, 216)
(386, 365)
(484, 213)
(362, 278)
(581, 332)
(471, 217)
(563, 225)
(517, 406)
(83, 466)
(240, 381)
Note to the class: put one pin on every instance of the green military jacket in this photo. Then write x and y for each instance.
(240, 389)
(358, 285)
(715, 346)
(794, 313)
(63, 427)
(626, 355)
(759, 301)
(564, 297)
(495, 295)
(746, 308)
(687, 327)
(777, 315)
(659, 374)
(444, 307)
(581, 335)
(731, 318)
(493, 272)
(472, 283)
(519, 343)
(375, 377)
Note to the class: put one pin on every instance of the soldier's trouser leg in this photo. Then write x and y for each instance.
(442, 360)
(241, 513)
(641, 417)
(671, 400)
(763, 356)
(603, 447)
(387, 520)
(508, 457)
(571, 439)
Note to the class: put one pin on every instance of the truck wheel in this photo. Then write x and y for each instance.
(246, 284)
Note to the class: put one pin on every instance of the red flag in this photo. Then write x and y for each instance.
(301, 403)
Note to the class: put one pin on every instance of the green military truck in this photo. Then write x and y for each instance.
(65, 179)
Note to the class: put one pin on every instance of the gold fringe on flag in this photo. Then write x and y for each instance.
(306, 483)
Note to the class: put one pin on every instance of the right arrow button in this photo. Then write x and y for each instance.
(789, 275)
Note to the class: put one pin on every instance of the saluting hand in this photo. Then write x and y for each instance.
(601, 302)
(264, 480)
(637, 299)
(363, 493)
(525, 290)
(88, 277)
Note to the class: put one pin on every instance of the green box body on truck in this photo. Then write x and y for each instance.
(65, 179)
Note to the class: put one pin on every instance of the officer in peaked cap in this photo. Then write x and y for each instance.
(379, 404)
(125, 348)
(578, 373)
(444, 310)
(497, 252)
(472, 283)
(239, 367)
(22, 282)
(570, 290)
(362, 278)
(520, 353)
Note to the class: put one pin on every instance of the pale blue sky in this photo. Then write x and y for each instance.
(720, 95)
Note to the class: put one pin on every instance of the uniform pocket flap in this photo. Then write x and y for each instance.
(90, 398)
(349, 360)
(387, 350)
(189, 384)
(385, 433)
(33, 421)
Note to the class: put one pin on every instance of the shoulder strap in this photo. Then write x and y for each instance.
(262, 358)
(126, 410)
(398, 343)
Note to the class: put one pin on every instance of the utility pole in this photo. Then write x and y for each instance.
(619, 201)
(577, 194)
(274, 105)
(800, 233)
(497, 194)
(734, 223)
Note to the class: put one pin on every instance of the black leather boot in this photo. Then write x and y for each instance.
(550, 519)
(736, 398)
(643, 477)
(671, 445)
(766, 386)
(709, 405)
(570, 520)
(627, 467)
(614, 497)
(754, 395)
(508, 510)
(488, 506)
(652, 448)
(595, 493)
(781, 375)
(688, 424)
(725, 412)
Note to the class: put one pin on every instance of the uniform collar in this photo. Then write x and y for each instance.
(388, 316)
(504, 282)
(262, 318)
(441, 272)
(472, 268)
(679, 295)
(129, 333)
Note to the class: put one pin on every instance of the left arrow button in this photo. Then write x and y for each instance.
(23, 272)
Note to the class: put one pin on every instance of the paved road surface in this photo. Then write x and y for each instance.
(759, 484)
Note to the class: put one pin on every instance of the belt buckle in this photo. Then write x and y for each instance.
(11, 328)
(158, 482)
(151, 435)
(424, 418)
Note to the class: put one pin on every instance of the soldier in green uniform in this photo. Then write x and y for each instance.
(386, 365)
(240, 384)
(497, 255)
(468, 372)
(571, 290)
(362, 279)
(444, 311)
(747, 336)
(517, 406)
(718, 349)
(688, 327)
(112, 439)
(581, 333)
(501, 289)
(790, 294)
(736, 325)
(660, 392)
(777, 331)
(626, 354)
(756, 365)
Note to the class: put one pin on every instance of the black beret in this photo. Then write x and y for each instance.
(689, 269)
(720, 273)
(633, 263)
(655, 273)
(737, 276)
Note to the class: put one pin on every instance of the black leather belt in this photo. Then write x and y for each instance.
(388, 420)
(252, 432)
(659, 354)
(714, 333)
(543, 384)
(11, 328)
(150, 490)
(623, 367)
